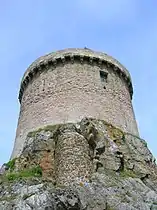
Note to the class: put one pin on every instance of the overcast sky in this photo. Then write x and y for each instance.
(125, 29)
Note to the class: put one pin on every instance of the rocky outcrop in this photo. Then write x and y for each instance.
(89, 165)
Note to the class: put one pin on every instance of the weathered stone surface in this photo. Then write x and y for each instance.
(67, 92)
(90, 165)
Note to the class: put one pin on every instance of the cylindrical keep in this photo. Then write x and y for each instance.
(71, 84)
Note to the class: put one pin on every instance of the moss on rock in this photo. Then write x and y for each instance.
(51, 128)
(128, 173)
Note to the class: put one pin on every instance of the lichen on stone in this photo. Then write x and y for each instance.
(86, 165)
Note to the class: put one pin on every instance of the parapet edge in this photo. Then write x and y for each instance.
(72, 55)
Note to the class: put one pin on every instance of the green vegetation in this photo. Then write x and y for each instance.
(108, 207)
(11, 164)
(114, 133)
(51, 128)
(128, 173)
(26, 173)
(8, 198)
(145, 143)
(33, 133)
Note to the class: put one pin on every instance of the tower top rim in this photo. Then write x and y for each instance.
(77, 52)
(72, 55)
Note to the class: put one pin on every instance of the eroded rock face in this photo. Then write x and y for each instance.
(90, 165)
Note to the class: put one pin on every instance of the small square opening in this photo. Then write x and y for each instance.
(103, 76)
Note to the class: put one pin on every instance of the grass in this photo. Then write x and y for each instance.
(128, 173)
(11, 164)
(26, 173)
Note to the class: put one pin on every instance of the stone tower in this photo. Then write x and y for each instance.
(71, 84)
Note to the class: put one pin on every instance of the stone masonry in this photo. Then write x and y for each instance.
(69, 85)
(88, 165)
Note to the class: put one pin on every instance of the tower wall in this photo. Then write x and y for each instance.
(72, 84)
(72, 158)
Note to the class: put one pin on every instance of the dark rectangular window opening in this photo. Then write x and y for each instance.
(103, 77)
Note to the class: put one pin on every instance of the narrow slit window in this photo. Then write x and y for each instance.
(103, 77)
